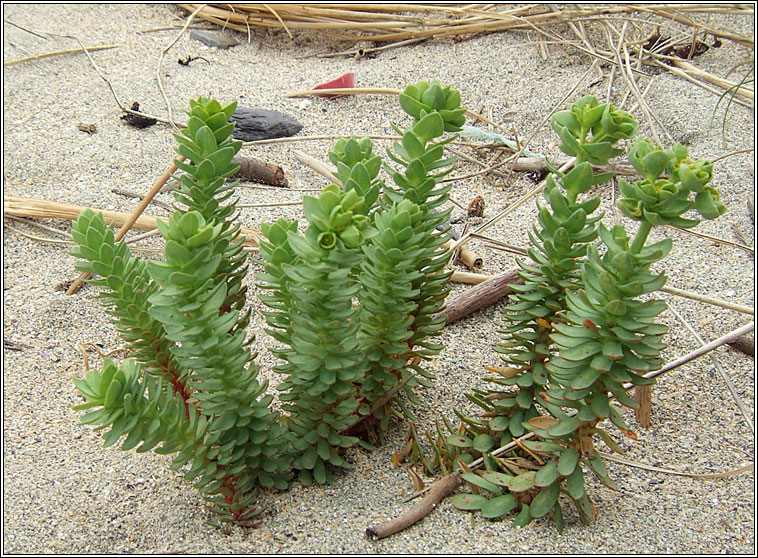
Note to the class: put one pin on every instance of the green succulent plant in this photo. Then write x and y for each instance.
(199, 392)
(351, 300)
(374, 245)
(579, 328)
(607, 126)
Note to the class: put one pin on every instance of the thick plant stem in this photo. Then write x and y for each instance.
(641, 237)
(438, 491)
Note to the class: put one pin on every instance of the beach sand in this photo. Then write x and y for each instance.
(63, 493)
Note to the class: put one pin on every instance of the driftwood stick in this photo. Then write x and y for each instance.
(442, 489)
(745, 345)
(471, 259)
(439, 490)
(256, 170)
(480, 295)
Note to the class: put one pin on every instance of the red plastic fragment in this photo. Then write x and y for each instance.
(347, 80)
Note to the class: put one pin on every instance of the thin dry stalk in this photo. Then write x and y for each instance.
(709, 300)
(747, 249)
(722, 372)
(688, 77)
(160, 61)
(31, 223)
(270, 204)
(346, 91)
(364, 51)
(36, 237)
(57, 53)
(630, 463)
(97, 70)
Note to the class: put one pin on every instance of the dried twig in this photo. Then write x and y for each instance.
(721, 371)
(346, 91)
(86, 50)
(256, 170)
(130, 194)
(76, 285)
(361, 52)
(267, 204)
(728, 338)
(439, 490)
(629, 463)
(747, 249)
(160, 60)
(57, 53)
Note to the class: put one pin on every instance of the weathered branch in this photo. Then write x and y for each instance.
(439, 490)
(256, 170)
(479, 296)
(745, 345)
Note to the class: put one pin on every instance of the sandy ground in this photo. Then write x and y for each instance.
(62, 493)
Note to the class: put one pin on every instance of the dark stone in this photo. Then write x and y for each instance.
(258, 124)
(136, 120)
(213, 38)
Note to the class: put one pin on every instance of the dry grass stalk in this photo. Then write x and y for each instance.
(29, 207)
(57, 53)
(399, 22)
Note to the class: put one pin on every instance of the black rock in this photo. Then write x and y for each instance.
(258, 124)
(136, 120)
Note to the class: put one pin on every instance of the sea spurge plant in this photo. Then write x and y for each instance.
(579, 329)
(424, 98)
(358, 169)
(662, 200)
(395, 320)
(353, 298)
(560, 240)
(125, 286)
(183, 317)
(606, 124)
(324, 363)
(208, 142)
